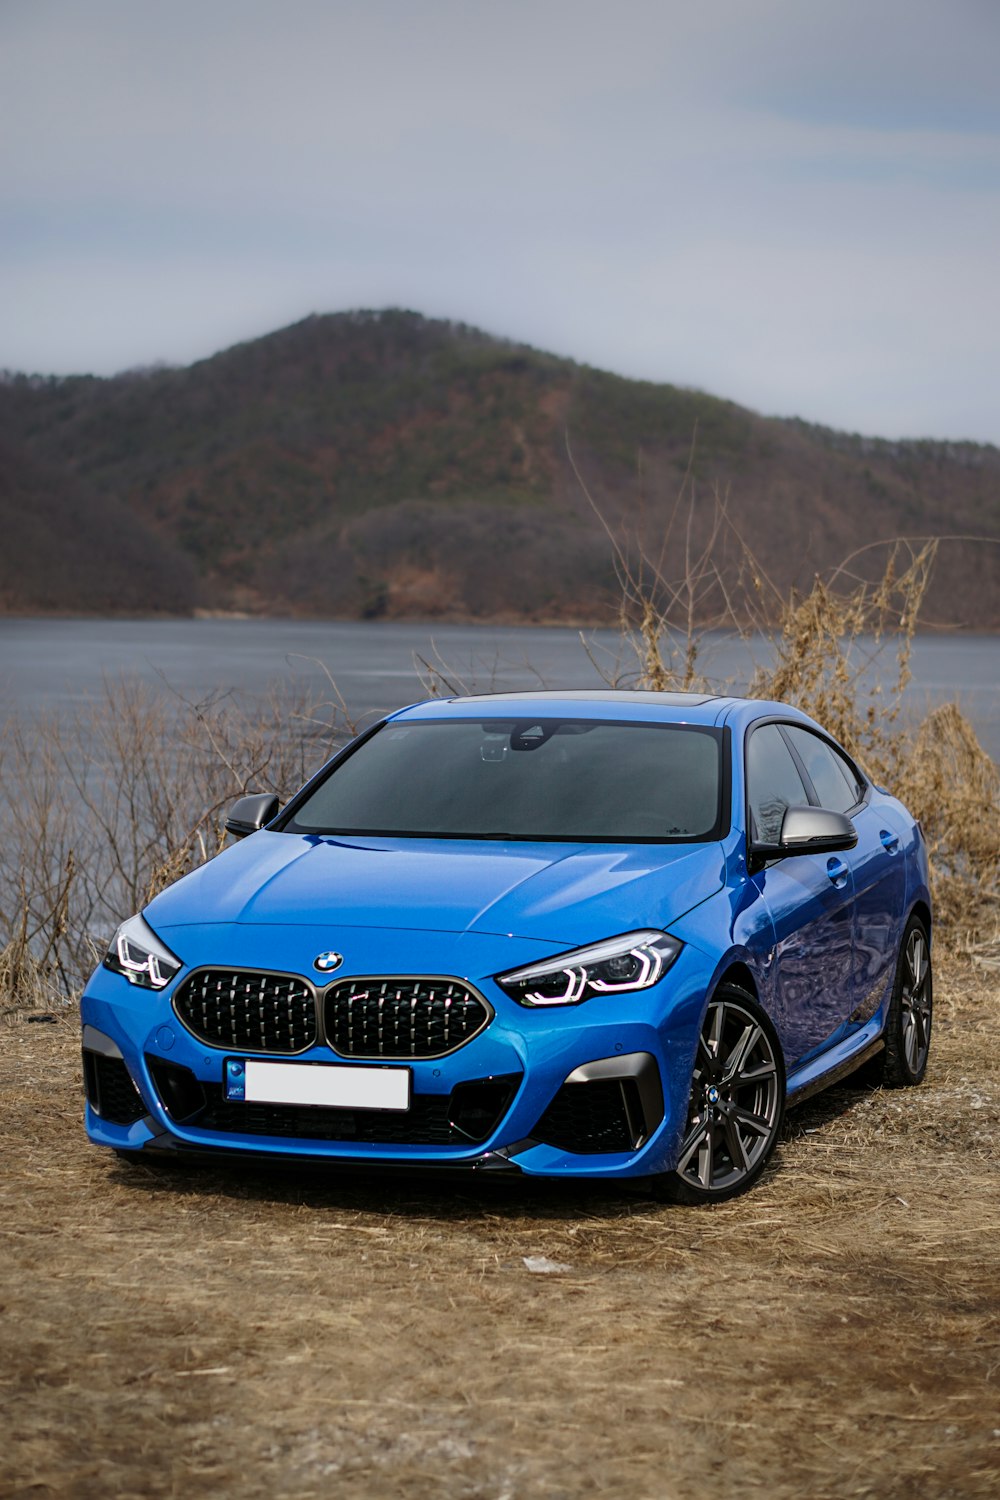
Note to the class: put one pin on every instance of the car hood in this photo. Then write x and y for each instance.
(561, 893)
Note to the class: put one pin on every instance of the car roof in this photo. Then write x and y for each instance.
(582, 703)
(634, 704)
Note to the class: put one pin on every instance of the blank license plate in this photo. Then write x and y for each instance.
(330, 1086)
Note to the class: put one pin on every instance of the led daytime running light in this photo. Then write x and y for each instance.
(589, 971)
(148, 963)
(137, 953)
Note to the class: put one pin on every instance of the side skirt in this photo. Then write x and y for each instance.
(843, 1069)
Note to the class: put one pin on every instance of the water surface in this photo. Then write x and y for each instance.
(53, 666)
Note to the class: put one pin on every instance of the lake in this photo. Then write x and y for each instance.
(53, 666)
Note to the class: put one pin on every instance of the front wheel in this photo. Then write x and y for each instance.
(736, 1105)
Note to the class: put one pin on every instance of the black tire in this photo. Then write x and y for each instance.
(737, 1103)
(907, 1032)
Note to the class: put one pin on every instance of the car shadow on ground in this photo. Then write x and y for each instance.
(823, 1109)
(401, 1192)
(445, 1194)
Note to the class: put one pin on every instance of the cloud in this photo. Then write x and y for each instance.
(793, 205)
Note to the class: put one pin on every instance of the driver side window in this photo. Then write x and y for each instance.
(773, 782)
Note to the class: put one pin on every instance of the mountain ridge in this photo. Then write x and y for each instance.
(382, 464)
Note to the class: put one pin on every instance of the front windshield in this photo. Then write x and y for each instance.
(582, 780)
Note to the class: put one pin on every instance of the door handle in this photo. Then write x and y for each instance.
(837, 871)
(890, 841)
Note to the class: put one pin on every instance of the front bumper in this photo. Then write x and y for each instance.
(596, 1090)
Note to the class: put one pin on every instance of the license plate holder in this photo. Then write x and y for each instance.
(252, 1080)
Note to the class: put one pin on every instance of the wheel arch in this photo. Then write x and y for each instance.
(740, 974)
(737, 968)
(921, 909)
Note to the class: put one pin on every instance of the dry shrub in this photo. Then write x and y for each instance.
(31, 969)
(948, 778)
(106, 808)
(840, 652)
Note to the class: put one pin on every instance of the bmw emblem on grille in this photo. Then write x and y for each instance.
(327, 962)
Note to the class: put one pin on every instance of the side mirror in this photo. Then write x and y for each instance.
(807, 830)
(248, 814)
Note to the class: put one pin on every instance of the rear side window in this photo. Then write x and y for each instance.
(773, 782)
(835, 782)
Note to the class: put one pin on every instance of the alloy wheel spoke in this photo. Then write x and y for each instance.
(758, 1123)
(734, 1141)
(706, 1154)
(734, 1062)
(713, 1041)
(691, 1143)
(759, 1071)
(704, 1061)
(916, 961)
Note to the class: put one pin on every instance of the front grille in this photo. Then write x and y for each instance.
(110, 1089)
(591, 1118)
(247, 1011)
(425, 1123)
(401, 1017)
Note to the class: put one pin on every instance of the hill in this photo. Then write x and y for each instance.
(370, 464)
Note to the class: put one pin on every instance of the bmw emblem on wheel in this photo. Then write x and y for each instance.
(327, 962)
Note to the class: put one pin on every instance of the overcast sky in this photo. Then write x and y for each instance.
(793, 203)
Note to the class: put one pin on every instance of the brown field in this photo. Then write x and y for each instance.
(836, 1333)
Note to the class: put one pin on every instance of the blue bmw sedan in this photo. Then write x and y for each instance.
(568, 934)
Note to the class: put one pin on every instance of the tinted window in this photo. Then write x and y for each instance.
(529, 779)
(773, 782)
(835, 783)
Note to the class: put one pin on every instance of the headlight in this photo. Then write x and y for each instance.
(633, 961)
(137, 953)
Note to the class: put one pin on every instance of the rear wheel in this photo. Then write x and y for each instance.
(736, 1105)
(908, 1026)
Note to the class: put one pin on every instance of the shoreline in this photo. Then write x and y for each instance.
(937, 631)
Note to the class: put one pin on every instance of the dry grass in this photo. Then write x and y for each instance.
(105, 807)
(842, 652)
(834, 1334)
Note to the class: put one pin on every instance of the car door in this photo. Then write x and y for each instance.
(810, 900)
(877, 864)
